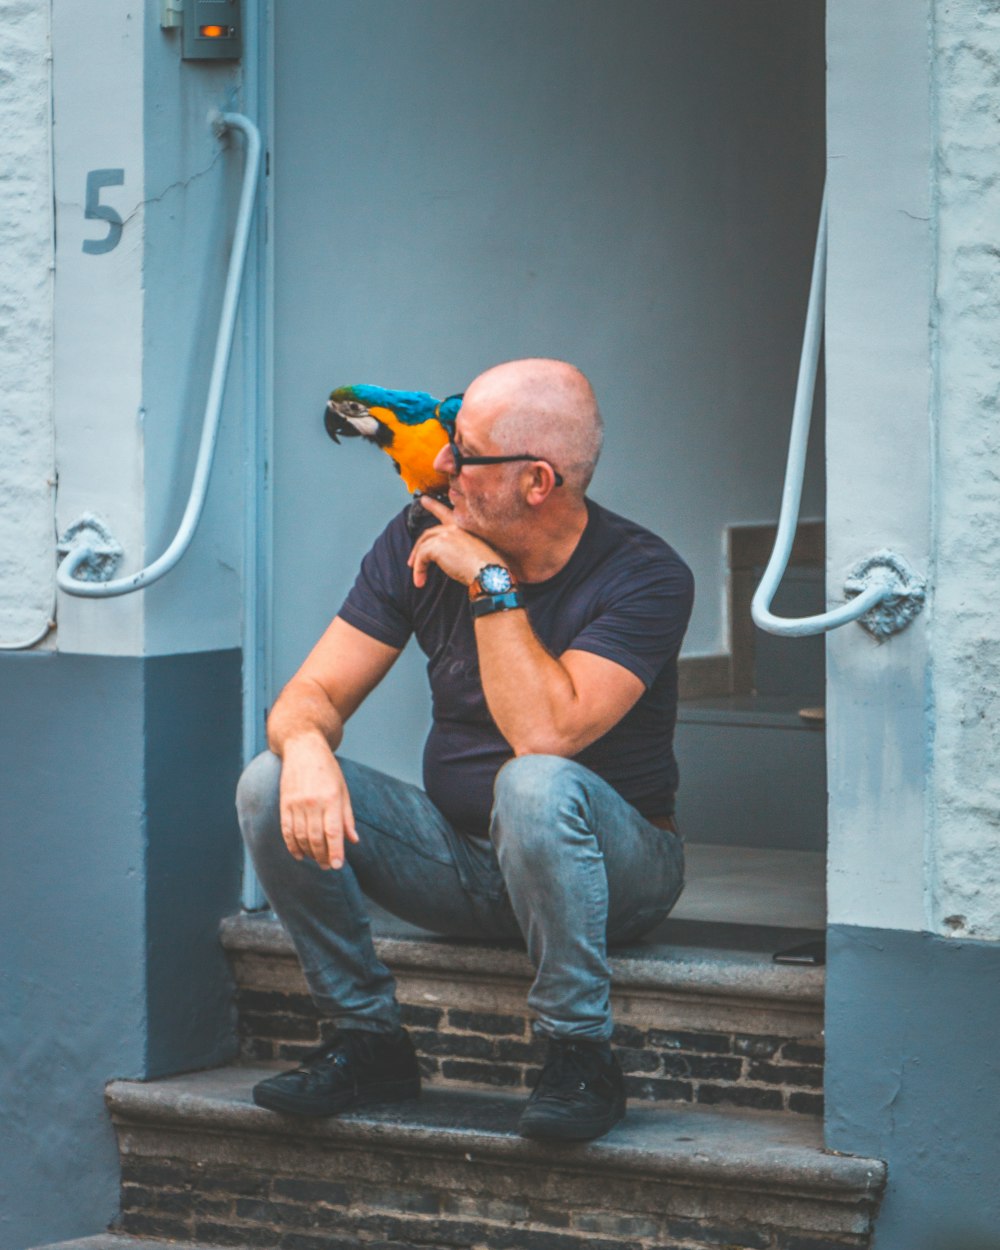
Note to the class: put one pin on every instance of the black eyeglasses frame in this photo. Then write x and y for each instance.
(461, 460)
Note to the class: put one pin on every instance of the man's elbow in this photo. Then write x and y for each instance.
(547, 743)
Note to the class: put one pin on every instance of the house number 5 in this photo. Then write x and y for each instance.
(94, 210)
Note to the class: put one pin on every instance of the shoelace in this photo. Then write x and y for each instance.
(337, 1050)
(568, 1069)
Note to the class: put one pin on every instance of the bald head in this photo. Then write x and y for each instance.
(546, 407)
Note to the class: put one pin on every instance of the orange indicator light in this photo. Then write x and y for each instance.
(214, 32)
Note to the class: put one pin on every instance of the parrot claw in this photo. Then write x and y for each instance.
(419, 518)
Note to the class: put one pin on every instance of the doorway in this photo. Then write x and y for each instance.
(633, 187)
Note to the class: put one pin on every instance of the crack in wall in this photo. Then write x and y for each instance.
(180, 184)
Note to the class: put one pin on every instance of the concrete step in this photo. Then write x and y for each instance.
(200, 1161)
(703, 1014)
(122, 1241)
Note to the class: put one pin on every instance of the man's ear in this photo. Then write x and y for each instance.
(541, 483)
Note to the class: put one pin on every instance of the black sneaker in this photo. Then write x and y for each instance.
(354, 1068)
(580, 1093)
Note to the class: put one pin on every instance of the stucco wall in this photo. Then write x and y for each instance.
(137, 323)
(913, 354)
(914, 461)
(878, 354)
(120, 852)
(27, 467)
(964, 865)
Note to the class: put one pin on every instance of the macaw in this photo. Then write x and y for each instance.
(411, 427)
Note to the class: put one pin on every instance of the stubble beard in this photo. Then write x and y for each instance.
(495, 520)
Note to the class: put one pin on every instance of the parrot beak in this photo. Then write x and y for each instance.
(337, 416)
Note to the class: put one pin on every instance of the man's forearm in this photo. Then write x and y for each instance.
(303, 710)
(530, 694)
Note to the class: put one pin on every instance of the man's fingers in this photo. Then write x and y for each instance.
(315, 832)
(421, 558)
(334, 835)
(438, 509)
(288, 832)
(350, 829)
(300, 834)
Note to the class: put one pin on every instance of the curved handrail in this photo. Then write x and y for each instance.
(882, 575)
(85, 551)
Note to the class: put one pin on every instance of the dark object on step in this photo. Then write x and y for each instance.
(811, 954)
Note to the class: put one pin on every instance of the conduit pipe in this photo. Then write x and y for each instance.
(884, 594)
(94, 553)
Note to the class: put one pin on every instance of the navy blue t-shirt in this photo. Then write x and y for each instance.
(623, 594)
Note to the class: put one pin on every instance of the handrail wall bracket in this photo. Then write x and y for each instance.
(907, 593)
(96, 552)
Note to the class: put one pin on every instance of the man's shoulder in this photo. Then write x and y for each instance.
(631, 543)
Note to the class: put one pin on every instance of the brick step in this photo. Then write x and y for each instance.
(200, 1161)
(703, 1014)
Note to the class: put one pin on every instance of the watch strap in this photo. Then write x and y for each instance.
(485, 605)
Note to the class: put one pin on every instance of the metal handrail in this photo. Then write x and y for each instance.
(883, 592)
(100, 557)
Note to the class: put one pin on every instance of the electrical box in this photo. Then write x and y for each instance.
(212, 30)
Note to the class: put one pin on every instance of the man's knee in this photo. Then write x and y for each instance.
(257, 800)
(532, 796)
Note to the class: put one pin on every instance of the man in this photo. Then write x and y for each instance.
(552, 629)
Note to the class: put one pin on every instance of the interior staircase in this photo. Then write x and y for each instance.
(721, 1150)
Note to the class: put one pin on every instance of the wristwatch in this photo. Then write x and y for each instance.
(492, 579)
(493, 590)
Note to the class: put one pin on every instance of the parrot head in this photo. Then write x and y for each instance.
(411, 427)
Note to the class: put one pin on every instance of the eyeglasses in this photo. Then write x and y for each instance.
(461, 459)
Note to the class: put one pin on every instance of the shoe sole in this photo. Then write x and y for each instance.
(366, 1096)
(545, 1128)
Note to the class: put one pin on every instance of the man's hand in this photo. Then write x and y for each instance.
(316, 814)
(457, 553)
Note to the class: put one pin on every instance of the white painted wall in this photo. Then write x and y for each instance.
(964, 853)
(27, 458)
(878, 352)
(98, 108)
(135, 326)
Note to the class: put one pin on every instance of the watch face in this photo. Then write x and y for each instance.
(495, 579)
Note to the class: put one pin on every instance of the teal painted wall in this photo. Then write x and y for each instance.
(633, 186)
(119, 856)
(913, 1077)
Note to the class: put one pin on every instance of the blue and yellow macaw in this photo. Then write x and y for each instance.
(411, 427)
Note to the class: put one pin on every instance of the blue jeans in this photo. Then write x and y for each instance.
(569, 865)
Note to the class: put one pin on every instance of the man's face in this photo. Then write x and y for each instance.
(486, 497)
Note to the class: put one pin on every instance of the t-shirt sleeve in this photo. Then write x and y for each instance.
(642, 619)
(380, 602)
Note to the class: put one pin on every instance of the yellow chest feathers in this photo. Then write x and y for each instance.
(414, 449)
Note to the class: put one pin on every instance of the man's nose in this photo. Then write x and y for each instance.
(444, 461)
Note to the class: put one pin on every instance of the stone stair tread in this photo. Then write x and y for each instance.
(122, 1241)
(763, 1150)
(679, 957)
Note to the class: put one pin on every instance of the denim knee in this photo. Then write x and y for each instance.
(531, 795)
(257, 804)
